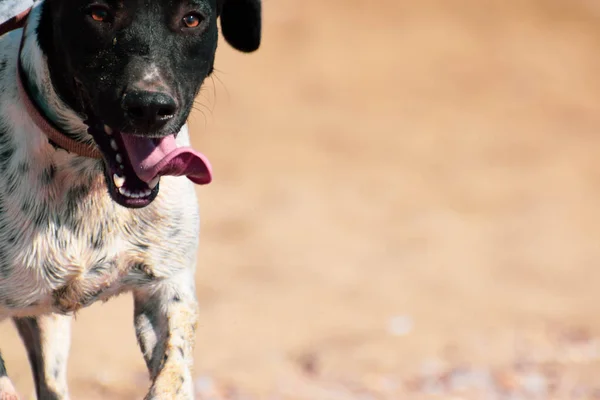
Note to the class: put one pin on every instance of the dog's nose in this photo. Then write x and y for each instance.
(151, 109)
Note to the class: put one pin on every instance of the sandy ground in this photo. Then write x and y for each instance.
(406, 204)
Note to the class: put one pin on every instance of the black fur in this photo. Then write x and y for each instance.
(95, 65)
(48, 174)
(6, 151)
(241, 23)
(26, 206)
(5, 267)
(23, 168)
(97, 238)
(2, 367)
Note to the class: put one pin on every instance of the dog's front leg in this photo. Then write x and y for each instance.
(166, 316)
(47, 339)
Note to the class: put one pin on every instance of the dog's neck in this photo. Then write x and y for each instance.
(38, 82)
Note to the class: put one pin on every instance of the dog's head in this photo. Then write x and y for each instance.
(134, 68)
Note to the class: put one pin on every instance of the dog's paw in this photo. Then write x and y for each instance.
(7, 390)
(172, 386)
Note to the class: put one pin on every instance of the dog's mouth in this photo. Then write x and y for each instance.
(133, 164)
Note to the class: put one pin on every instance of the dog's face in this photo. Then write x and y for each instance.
(134, 67)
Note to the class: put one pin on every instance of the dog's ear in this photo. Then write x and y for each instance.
(241, 23)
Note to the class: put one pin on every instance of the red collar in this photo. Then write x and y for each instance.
(16, 22)
(53, 134)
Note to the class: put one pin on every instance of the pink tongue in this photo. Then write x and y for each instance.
(152, 158)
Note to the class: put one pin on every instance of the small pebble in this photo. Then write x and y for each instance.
(400, 325)
(204, 385)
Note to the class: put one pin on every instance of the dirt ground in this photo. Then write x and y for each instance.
(406, 205)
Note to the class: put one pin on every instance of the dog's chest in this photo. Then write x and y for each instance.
(64, 244)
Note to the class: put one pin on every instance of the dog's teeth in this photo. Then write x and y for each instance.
(108, 130)
(113, 144)
(125, 192)
(132, 195)
(118, 180)
(152, 184)
(119, 158)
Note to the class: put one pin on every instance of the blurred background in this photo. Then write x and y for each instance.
(406, 205)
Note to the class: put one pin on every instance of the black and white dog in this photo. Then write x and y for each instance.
(97, 176)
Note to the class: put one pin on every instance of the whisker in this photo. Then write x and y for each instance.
(216, 76)
(199, 105)
(201, 112)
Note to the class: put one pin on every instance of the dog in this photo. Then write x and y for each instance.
(97, 177)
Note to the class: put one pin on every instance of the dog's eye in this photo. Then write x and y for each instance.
(97, 13)
(192, 20)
